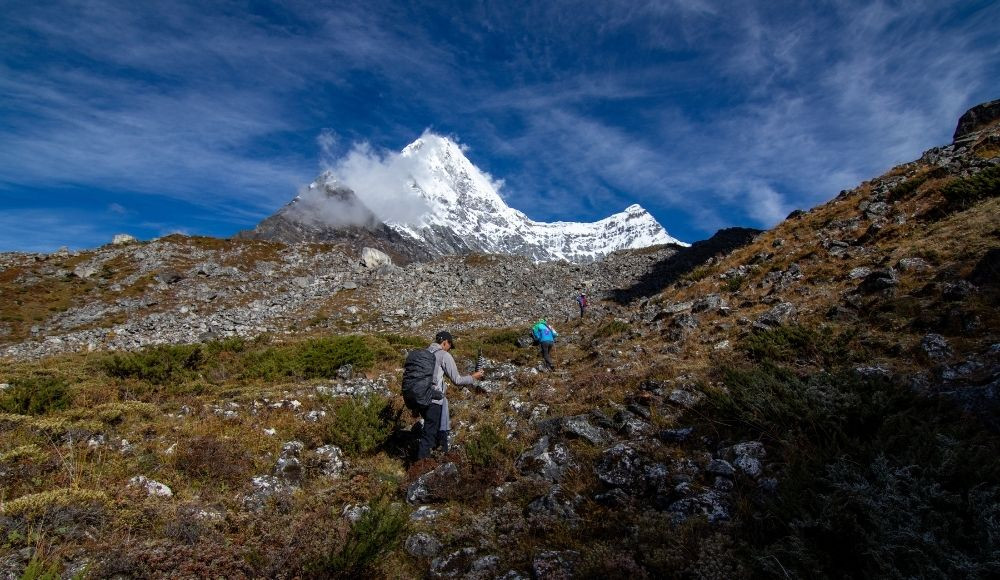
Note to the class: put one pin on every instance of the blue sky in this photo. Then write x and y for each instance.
(204, 117)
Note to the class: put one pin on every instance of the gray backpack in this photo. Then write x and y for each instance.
(418, 379)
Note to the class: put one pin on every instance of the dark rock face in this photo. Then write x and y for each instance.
(976, 118)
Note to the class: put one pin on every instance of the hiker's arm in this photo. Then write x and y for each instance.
(452, 371)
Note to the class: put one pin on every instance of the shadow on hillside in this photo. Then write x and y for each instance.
(671, 269)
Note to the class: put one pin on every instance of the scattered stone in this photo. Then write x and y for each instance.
(555, 565)
(331, 462)
(620, 466)
(710, 302)
(423, 545)
(776, 316)
(676, 435)
(936, 348)
(859, 272)
(353, 513)
(957, 291)
(424, 513)
(685, 398)
(912, 265)
(545, 459)
(265, 489)
(878, 281)
(152, 487)
(720, 467)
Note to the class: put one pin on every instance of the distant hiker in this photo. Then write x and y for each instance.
(582, 301)
(546, 336)
(424, 390)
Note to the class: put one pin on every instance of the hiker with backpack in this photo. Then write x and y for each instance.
(424, 390)
(545, 335)
(582, 301)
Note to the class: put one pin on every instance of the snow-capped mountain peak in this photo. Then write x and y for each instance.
(458, 209)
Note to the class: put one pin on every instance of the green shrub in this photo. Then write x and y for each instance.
(37, 569)
(966, 192)
(362, 425)
(506, 337)
(734, 283)
(158, 364)
(36, 396)
(799, 343)
(487, 448)
(906, 189)
(321, 357)
(874, 480)
(234, 344)
(378, 532)
(403, 341)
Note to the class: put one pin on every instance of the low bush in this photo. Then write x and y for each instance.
(36, 396)
(362, 425)
(874, 481)
(157, 365)
(612, 328)
(733, 284)
(321, 357)
(378, 532)
(488, 448)
(799, 344)
(212, 459)
(966, 192)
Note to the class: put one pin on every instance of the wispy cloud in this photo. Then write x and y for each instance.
(707, 113)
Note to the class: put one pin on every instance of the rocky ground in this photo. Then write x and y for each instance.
(817, 399)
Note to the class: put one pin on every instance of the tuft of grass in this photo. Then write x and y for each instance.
(612, 328)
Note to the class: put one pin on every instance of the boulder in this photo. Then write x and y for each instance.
(620, 466)
(423, 545)
(545, 459)
(580, 426)
(372, 258)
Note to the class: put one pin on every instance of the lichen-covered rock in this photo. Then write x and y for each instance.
(936, 348)
(555, 565)
(580, 426)
(545, 459)
(429, 486)
(331, 462)
(152, 487)
(620, 466)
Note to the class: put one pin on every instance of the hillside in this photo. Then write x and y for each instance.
(817, 400)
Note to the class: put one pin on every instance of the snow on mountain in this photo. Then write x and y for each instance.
(466, 214)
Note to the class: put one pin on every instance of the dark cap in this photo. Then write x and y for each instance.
(443, 336)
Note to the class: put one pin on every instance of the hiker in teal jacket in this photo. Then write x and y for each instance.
(546, 336)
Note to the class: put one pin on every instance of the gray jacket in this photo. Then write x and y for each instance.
(445, 365)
